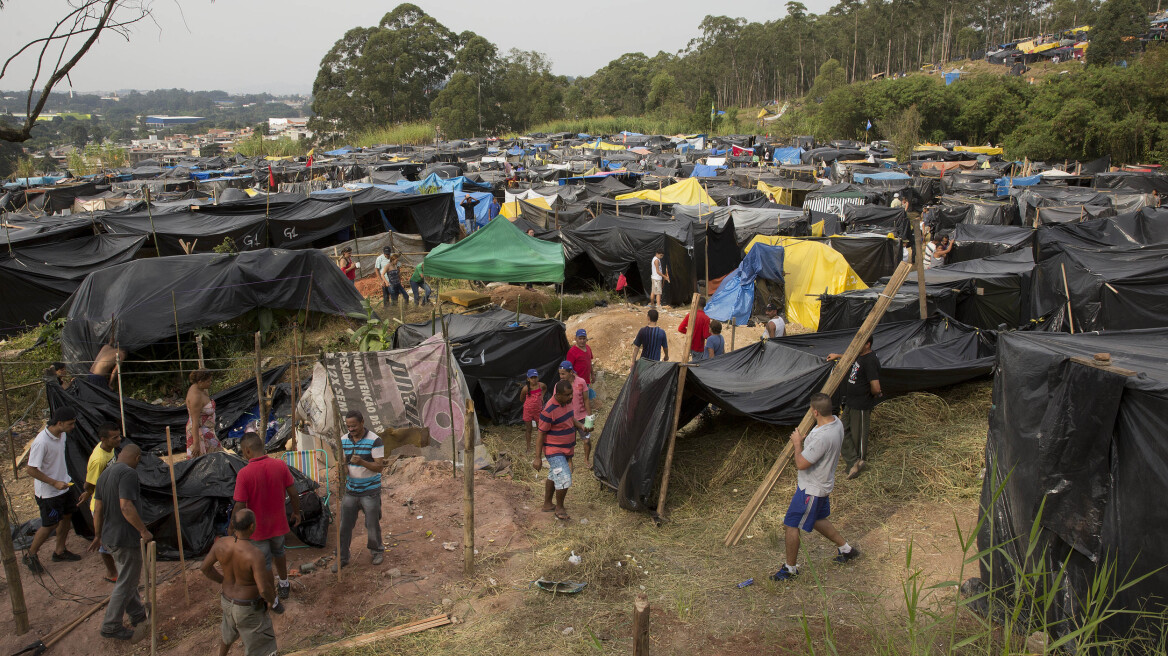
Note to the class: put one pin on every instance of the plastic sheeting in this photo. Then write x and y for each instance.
(972, 242)
(1117, 288)
(847, 311)
(734, 299)
(769, 381)
(597, 251)
(686, 192)
(812, 268)
(877, 218)
(494, 350)
(995, 290)
(871, 256)
(133, 301)
(498, 252)
(1085, 447)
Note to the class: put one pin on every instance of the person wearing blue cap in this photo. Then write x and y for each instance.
(531, 395)
(581, 405)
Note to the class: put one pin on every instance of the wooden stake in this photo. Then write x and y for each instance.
(295, 381)
(150, 215)
(11, 568)
(1067, 292)
(641, 625)
(919, 265)
(370, 638)
(56, 636)
(733, 328)
(8, 423)
(263, 416)
(199, 346)
(177, 340)
(685, 351)
(152, 556)
(121, 401)
(468, 538)
(177, 521)
(342, 471)
(837, 375)
(450, 397)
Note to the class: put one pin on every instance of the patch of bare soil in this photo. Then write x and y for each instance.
(510, 297)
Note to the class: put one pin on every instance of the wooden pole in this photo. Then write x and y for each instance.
(919, 265)
(199, 347)
(468, 538)
(263, 416)
(56, 636)
(641, 625)
(182, 558)
(1067, 293)
(295, 381)
(8, 423)
(121, 398)
(150, 215)
(837, 375)
(450, 397)
(685, 350)
(706, 255)
(733, 328)
(152, 556)
(341, 478)
(177, 340)
(11, 568)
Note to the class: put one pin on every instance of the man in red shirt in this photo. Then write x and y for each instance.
(557, 441)
(697, 343)
(261, 486)
(580, 355)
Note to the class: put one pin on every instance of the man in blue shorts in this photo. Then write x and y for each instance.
(816, 456)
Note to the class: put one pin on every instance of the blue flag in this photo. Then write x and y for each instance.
(869, 125)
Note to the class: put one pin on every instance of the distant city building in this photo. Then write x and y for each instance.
(160, 121)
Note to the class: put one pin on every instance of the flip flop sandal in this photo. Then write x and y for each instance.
(109, 580)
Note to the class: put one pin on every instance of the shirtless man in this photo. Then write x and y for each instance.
(105, 365)
(248, 589)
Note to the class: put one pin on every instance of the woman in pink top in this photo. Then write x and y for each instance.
(581, 404)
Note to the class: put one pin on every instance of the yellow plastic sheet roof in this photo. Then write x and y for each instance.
(686, 192)
(980, 150)
(810, 268)
(511, 210)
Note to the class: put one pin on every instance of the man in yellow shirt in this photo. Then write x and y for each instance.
(110, 438)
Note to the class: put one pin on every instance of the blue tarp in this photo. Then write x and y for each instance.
(734, 298)
(861, 178)
(44, 180)
(430, 184)
(789, 155)
(705, 171)
(483, 211)
(343, 150)
(516, 151)
(1004, 184)
(950, 78)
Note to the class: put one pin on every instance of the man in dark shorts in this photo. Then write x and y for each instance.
(247, 589)
(861, 392)
(816, 455)
(261, 486)
(56, 496)
(118, 529)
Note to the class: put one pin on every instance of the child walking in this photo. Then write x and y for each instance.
(532, 393)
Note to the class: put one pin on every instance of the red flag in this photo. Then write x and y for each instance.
(621, 282)
(271, 179)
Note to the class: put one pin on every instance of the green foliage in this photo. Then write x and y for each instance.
(375, 334)
(456, 109)
(903, 129)
(228, 247)
(258, 146)
(415, 134)
(1117, 19)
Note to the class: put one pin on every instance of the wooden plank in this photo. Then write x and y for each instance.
(738, 529)
(1103, 364)
(370, 638)
(685, 351)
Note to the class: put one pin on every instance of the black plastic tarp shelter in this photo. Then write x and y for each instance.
(877, 218)
(494, 350)
(770, 381)
(205, 484)
(1118, 288)
(1145, 183)
(597, 251)
(1146, 227)
(995, 290)
(963, 210)
(1086, 446)
(973, 242)
(36, 280)
(28, 230)
(137, 301)
(848, 310)
(871, 256)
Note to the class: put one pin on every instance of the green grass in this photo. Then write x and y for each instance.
(413, 134)
(257, 146)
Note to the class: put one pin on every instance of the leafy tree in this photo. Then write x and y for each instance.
(831, 77)
(78, 135)
(1117, 19)
(455, 107)
(903, 129)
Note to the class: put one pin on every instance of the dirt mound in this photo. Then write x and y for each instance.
(369, 287)
(611, 332)
(527, 300)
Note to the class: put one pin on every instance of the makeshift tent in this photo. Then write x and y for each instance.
(512, 209)
(686, 192)
(769, 381)
(876, 218)
(1078, 454)
(136, 302)
(957, 210)
(734, 300)
(973, 242)
(1117, 288)
(995, 291)
(849, 310)
(749, 221)
(1146, 227)
(205, 484)
(872, 257)
(494, 349)
(811, 268)
(398, 389)
(498, 252)
(28, 230)
(599, 251)
(36, 280)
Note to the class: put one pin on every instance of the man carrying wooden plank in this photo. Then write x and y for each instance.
(816, 456)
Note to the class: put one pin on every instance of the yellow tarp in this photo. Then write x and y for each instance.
(777, 194)
(810, 268)
(980, 150)
(924, 148)
(511, 210)
(686, 192)
(600, 145)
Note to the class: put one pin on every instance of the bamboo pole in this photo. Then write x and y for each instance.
(468, 519)
(263, 416)
(11, 568)
(182, 558)
(919, 265)
(641, 625)
(177, 340)
(121, 398)
(342, 471)
(837, 375)
(8, 423)
(295, 382)
(56, 636)
(152, 556)
(685, 351)
(1067, 293)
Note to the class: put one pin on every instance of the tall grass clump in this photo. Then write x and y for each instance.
(409, 134)
(258, 146)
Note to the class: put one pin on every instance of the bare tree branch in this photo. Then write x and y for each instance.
(79, 21)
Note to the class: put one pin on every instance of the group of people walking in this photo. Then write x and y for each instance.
(387, 268)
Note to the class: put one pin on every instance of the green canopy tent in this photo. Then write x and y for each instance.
(498, 252)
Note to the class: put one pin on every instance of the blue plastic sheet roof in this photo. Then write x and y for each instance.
(734, 298)
(861, 178)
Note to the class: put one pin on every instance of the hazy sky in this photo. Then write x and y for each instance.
(276, 45)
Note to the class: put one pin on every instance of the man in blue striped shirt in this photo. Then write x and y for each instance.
(651, 340)
(365, 453)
